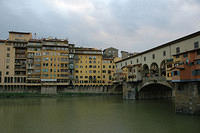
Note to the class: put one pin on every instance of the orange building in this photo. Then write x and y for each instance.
(186, 66)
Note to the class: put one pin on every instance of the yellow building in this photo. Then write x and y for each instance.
(88, 63)
(47, 64)
(54, 61)
(108, 69)
(20, 36)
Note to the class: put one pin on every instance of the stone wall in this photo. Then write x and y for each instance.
(187, 97)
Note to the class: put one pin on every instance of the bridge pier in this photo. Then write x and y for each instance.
(130, 90)
(187, 99)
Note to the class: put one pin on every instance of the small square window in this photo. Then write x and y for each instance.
(164, 53)
(7, 73)
(196, 45)
(153, 56)
(177, 50)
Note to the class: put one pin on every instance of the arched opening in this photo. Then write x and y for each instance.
(145, 70)
(155, 91)
(154, 70)
(163, 68)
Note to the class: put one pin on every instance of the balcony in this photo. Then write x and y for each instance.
(20, 57)
(20, 51)
(30, 56)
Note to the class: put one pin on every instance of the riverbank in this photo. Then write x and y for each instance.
(63, 94)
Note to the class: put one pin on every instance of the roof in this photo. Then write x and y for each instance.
(164, 45)
(2, 40)
(86, 49)
(15, 32)
(54, 40)
(109, 48)
(35, 40)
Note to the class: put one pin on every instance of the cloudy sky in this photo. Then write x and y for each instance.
(131, 25)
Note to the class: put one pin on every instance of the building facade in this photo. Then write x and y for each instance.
(110, 52)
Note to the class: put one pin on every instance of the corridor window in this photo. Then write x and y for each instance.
(178, 50)
(164, 53)
(153, 56)
(196, 45)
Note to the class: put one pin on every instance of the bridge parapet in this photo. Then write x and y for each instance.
(159, 78)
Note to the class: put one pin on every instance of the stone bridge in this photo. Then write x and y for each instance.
(148, 88)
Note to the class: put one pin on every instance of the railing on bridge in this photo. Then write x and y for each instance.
(158, 78)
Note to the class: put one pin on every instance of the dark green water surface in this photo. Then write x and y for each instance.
(94, 114)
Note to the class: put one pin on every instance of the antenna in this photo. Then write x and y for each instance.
(35, 35)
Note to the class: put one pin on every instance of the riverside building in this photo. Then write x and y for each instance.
(33, 65)
(50, 66)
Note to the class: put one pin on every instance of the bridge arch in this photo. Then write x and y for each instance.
(155, 90)
(145, 70)
(154, 69)
(163, 68)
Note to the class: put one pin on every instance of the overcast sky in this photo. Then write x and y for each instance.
(131, 25)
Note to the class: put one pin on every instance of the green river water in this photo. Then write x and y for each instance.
(93, 114)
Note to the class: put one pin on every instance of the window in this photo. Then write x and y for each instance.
(196, 45)
(195, 72)
(144, 58)
(110, 77)
(178, 50)
(198, 52)
(7, 73)
(125, 63)
(103, 66)
(7, 67)
(109, 72)
(198, 87)
(164, 53)
(8, 55)
(8, 49)
(131, 62)
(198, 62)
(153, 56)
(104, 71)
(185, 55)
(176, 73)
(90, 66)
(137, 60)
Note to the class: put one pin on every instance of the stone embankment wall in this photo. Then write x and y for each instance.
(187, 98)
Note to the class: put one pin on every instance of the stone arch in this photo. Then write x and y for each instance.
(155, 90)
(163, 68)
(145, 70)
(154, 69)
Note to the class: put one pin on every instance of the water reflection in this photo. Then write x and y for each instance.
(92, 115)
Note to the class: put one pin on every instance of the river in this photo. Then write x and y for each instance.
(93, 114)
